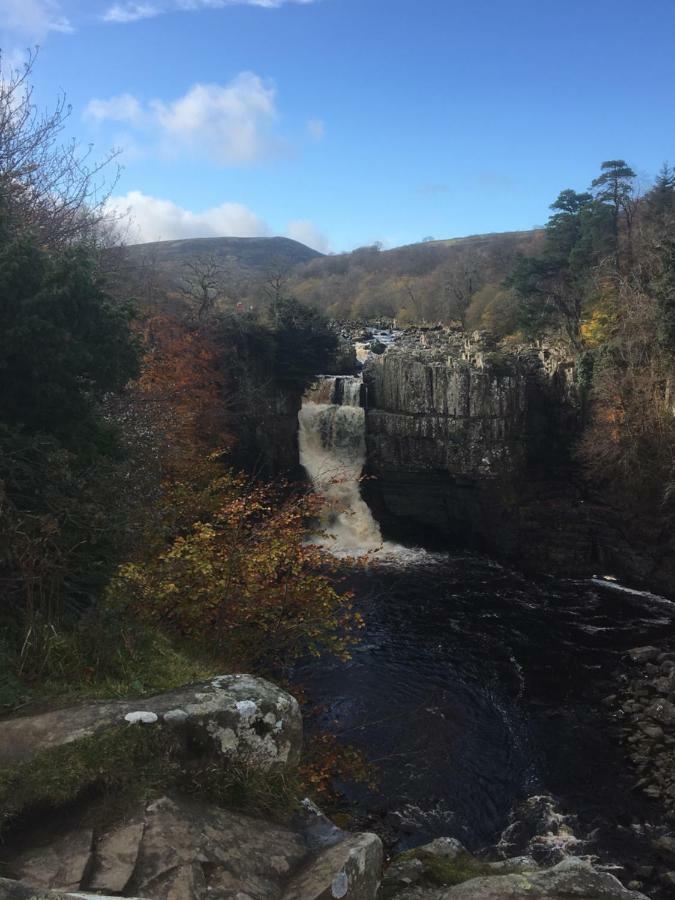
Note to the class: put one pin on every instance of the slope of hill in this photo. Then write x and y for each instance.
(439, 280)
(460, 278)
(243, 255)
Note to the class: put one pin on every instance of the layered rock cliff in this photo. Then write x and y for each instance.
(469, 444)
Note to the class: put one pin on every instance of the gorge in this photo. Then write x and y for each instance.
(479, 694)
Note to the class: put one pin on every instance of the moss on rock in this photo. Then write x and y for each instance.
(132, 763)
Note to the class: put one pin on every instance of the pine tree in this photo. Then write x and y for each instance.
(614, 189)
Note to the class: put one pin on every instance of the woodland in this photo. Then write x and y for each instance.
(142, 544)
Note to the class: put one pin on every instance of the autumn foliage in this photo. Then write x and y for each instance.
(226, 563)
(244, 582)
(183, 381)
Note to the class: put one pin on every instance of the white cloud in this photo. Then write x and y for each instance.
(226, 123)
(316, 128)
(32, 19)
(230, 124)
(305, 231)
(123, 13)
(154, 219)
(123, 108)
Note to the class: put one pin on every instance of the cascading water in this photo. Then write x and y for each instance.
(478, 694)
(333, 453)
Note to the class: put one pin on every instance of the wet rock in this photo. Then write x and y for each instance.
(241, 715)
(540, 830)
(317, 829)
(514, 865)
(570, 878)
(662, 711)
(643, 654)
(665, 846)
(428, 865)
(655, 732)
(444, 847)
(348, 871)
(64, 864)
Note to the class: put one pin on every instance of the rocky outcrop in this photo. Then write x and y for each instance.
(174, 846)
(350, 869)
(470, 443)
(465, 445)
(646, 706)
(443, 870)
(240, 716)
(176, 849)
(570, 878)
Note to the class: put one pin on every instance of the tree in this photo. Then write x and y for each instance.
(52, 188)
(242, 579)
(661, 200)
(275, 288)
(63, 343)
(614, 188)
(304, 344)
(63, 346)
(204, 284)
(551, 286)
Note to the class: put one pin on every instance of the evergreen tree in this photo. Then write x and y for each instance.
(63, 342)
(551, 285)
(661, 199)
(614, 190)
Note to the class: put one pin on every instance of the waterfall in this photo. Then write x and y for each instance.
(333, 453)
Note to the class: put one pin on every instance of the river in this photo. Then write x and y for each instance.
(472, 687)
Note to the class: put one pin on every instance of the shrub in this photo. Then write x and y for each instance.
(243, 581)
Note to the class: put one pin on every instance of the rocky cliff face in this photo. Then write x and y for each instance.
(468, 444)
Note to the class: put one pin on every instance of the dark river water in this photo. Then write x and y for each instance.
(473, 687)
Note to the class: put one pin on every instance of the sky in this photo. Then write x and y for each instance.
(345, 122)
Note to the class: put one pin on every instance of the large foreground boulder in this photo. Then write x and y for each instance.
(445, 870)
(350, 869)
(240, 715)
(572, 879)
(179, 849)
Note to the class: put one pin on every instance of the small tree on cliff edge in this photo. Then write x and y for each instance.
(614, 188)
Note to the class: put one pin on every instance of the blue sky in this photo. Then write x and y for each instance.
(343, 122)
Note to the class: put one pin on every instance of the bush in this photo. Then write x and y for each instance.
(242, 581)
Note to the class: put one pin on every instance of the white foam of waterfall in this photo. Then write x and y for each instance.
(362, 351)
(333, 453)
(332, 439)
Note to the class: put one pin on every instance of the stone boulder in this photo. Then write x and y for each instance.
(189, 850)
(350, 870)
(179, 849)
(243, 717)
(16, 890)
(571, 878)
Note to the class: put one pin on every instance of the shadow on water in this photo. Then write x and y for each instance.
(473, 687)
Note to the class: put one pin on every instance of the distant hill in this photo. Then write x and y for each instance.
(245, 256)
(436, 280)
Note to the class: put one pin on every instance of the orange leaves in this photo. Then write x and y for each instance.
(223, 562)
(245, 582)
(328, 761)
(183, 380)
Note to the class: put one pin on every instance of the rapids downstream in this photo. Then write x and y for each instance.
(473, 688)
